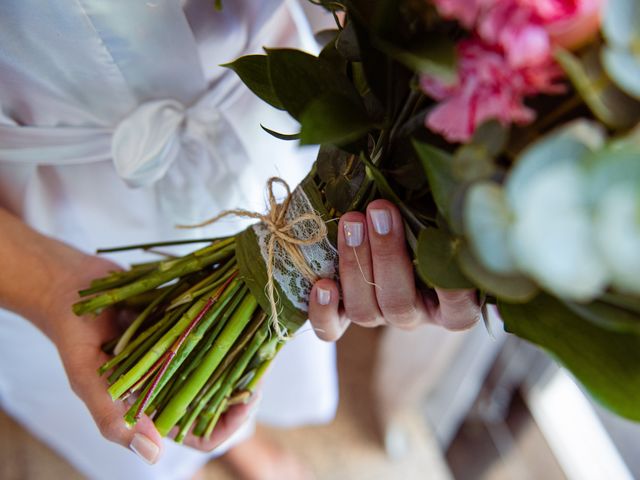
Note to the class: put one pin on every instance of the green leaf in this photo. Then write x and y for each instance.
(624, 67)
(607, 102)
(435, 56)
(472, 162)
(511, 288)
(343, 174)
(608, 316)
(493, 136)
(374, 63)
(281, 136)
(607, 363)
(299, 78)
(347, 43)
(254, 73)
(437, 165)
(333, 118)
(437, 263)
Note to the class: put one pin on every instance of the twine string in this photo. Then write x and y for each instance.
(282, 233)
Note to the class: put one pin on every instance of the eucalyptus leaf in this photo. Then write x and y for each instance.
(621, 22)
(567, 144)
(334, 118)
(607, 363)
(254, 72)
(512, 288)
(487, 220)
(437, 264)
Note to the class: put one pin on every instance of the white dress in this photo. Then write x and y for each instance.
(117, 122)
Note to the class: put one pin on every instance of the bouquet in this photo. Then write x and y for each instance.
(508, 134)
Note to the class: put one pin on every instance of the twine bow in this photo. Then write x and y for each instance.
(283, 235)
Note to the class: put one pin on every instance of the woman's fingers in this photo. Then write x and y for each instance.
(378, 281)
(454, 309)
(356, 271)
(81, 363)
(228, 424)
(327, 318)
(392, 269)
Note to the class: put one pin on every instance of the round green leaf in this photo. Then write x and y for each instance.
(510, 288)
(437, 263)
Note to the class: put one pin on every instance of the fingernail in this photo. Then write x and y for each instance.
(381, 220)
(324, 296)
(353, 233)
(144, 448)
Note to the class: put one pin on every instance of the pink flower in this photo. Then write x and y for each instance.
(508, 58)
(488, 87)
(465, 11)
(526, 30)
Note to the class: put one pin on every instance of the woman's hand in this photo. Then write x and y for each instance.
(40, 281)
(378, 284)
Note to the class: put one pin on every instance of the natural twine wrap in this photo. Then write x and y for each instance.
(281, 230)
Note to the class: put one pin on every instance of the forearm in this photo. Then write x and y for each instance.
(35, 270)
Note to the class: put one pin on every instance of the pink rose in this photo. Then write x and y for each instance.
(508, 58)
(488, 87)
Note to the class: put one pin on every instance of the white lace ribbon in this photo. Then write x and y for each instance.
(322, 256)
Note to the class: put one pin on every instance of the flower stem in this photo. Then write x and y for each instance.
(178, 404)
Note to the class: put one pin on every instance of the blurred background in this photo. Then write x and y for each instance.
(429, 404)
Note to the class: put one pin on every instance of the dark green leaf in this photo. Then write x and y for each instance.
(437, 263)
(472, 162)
(299, 78)
(493, 136)
(607, 363)
(347, 43)
(281, 136)
(333, 118)
(609, 316)
(254, 73)
(607, 102)
(374, 63)
(437, 165)
(435, 56)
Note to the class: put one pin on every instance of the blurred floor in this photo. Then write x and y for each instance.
(513, 449)
(349, 448)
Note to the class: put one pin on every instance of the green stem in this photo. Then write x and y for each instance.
(146, 246)
(135, 325)
(188, 344)
(217, 379)
(235, 374)
(151, 280)
(196, 359)
(178, 404)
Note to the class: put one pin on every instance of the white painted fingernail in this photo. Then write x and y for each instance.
(381, 220)
(142, 446)
(353, 233)
(324, 296)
